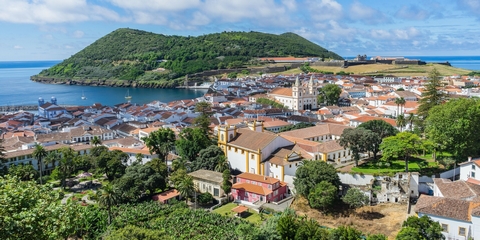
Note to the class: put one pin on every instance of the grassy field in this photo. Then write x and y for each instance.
(251, 216)
(393, 167)
(397, 70)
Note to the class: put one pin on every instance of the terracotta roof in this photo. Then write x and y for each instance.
(447, 207)
(131, 150)
(363, 119)
(275, 123)
(166, 195)
(315, 131)
(240, 209)
(208, 175)
(456, 190)
(282, 91)
(258, 178)
(252, 140)
(248, 187)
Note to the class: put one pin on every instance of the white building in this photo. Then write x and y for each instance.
(299, 97)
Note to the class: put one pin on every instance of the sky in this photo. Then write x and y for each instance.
(57, 29)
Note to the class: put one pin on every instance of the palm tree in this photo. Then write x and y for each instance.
(67, 163)
(108, 196)
(222, 164)
(96, 141)
(52, 157)
(401, 122)
(411, 118)
(185, 187)
(399, 101)
(39, 153)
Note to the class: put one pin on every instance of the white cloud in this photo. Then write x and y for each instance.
(472, 6)
(17, 47)
(396, 34)
(53, 11)
(412, 12)
(366, 14)
(68, 47)
(78, 34)
(199, 19)
(157, 5)
(325, 9)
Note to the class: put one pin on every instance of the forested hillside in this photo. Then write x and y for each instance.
(128, 54)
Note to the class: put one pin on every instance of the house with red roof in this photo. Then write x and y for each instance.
(251, 188)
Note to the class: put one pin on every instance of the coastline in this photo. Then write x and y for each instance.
(103, 83)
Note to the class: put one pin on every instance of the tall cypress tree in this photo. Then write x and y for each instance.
(432, 96)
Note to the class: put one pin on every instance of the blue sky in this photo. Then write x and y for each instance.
(56, 29)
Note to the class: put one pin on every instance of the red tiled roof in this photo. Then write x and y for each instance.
(239, 209)
(248, 187)
(166, 195)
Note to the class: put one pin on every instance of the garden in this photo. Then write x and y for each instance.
(251, 215)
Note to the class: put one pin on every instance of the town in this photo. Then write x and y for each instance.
(256, 145)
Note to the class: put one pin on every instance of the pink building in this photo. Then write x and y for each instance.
(251, 187)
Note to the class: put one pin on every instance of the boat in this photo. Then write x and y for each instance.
(83, 96)
(128, 97)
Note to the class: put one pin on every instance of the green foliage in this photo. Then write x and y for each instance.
(323, 195)
(382, 129)
(309, 173)
(403, 144)
(208, 158)
(474, 73)
(431, 97)
(131, 54)
(131, 232)
(270, 102)
(232, 75)
(160, 142)
(24, 172)
(205, 198)
(296, 126)
(138, 181)
(203, 120)
(359, 140)
(31, 211)
(329, 94)
(346, 233)
(39, 153)
(452, 126)
(424, 226)
(226, 183)
(112, 163)
(355, 198)
(377, 237)
(287, 226)
(191, 141)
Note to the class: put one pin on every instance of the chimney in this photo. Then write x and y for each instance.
(265, 178)
(469, 159)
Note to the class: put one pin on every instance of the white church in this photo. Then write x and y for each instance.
(299, 97)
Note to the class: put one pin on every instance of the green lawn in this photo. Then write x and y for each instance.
(381, 167)
(251, 216)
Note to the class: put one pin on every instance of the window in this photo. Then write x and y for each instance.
(473, 174)
(252, 156)
(269, 186)
(461, 231)
(246, 194)
(275, 193)
(473, 167)
(445, 227)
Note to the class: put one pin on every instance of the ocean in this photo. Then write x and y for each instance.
(19, 90)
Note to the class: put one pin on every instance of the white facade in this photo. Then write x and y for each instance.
(301, 98)
(452, 227)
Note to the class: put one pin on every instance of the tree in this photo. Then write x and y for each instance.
(323, 195)
(23, 172)
(403, 144)
(112, 163)
(329, 94)
(222, 164)
(345, 233)
(452, 125)
(205, 198)
(376, 237)
(96, 141)
(424, 226)
(401, 122)
(226, 184)
(382, 129)
(3, 169)
(160, 142)
(209, 158)
(400, 102)
(39, 153)
(137, 233)
(358, 140)
(287, 226)
(311, 172)
(33, 211)
(310, 229)
(203, 120)
(409, 233)
(158, 166)
(138, 181)
(108, 196)
(191, 141)
(411, 118)
(355, 198)
(185, 187)
(432, 96)
(66, 163)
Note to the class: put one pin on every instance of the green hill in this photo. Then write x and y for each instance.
(128, 54)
